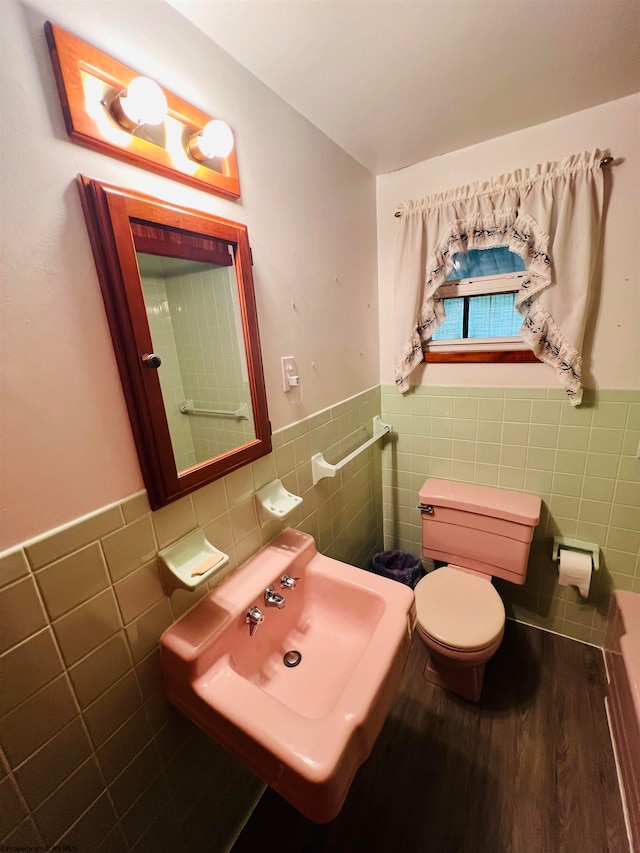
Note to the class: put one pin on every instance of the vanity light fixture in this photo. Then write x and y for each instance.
(142, 102)
(214, 140)
(107, 105)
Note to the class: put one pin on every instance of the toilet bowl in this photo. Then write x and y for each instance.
(460, 619)
(480, 532)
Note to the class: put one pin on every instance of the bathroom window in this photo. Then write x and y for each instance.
(479, 299)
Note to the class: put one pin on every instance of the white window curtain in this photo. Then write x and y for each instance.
(551, 216)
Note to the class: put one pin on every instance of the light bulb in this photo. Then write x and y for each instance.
(214, 140)
(142, 102)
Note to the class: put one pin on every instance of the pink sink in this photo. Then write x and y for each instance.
(306, 729)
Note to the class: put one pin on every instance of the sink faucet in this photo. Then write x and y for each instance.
(287, 582)
(273, 598)
(254, 616)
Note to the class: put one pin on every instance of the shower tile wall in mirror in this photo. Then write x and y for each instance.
(196, 326)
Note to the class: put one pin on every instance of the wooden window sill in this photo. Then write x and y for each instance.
(497, 356)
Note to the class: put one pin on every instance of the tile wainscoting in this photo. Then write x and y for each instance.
(92, 755)
(581, 461)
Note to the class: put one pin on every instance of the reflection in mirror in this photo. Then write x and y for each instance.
(178, 290)
(194, 319)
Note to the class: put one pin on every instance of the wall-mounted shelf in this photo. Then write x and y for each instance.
(192, 560)
(320, 468)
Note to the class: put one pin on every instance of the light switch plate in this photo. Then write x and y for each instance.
(288, 369)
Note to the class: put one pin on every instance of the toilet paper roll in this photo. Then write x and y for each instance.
(574, 568)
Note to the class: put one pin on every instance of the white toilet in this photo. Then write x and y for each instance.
(480, 532)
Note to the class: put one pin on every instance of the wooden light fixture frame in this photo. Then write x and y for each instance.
(71, 58)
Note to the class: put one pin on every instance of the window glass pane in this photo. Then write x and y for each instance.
(481, 262)
(451, 329)
(493, 316)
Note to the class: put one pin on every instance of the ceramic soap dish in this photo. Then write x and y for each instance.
(193, 560)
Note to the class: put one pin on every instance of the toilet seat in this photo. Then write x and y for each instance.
(459, 610)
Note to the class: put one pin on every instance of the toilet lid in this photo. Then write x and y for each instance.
(459, 609)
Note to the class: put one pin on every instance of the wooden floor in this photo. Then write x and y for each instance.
(529, 769)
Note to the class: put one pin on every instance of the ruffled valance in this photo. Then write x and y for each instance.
(550, 216)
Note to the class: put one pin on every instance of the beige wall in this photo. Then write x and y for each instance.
(612, 347)
(91, 753)
(310, 210)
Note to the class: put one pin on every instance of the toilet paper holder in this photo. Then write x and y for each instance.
(577, 545)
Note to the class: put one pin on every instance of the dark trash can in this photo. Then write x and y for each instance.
(397, 565)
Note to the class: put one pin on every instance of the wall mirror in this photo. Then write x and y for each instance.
(178, 290)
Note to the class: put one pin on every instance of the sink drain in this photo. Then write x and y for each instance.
(292, 658)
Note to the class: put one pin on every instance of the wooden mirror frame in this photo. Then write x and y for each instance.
(109, 210)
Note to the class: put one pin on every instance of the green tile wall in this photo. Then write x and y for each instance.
(581, 461)
(343, 514)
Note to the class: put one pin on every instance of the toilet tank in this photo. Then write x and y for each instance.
(478, 527)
